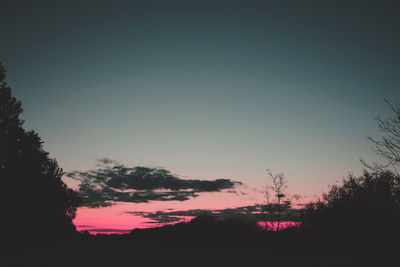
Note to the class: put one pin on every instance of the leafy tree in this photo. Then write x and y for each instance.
(365, 204)
(35, 201)
(276, 205)
(388, 147)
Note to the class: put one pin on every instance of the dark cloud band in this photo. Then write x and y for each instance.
(114, 182)
(249, 213)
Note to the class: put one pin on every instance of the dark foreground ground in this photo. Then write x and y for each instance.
(207, 241)
(291, 249)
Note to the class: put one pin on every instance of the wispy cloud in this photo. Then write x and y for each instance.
(254, 213)
(114, 182)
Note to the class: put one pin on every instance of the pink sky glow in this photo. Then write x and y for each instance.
(116, 220)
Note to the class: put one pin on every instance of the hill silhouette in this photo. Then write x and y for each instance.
(207, 240)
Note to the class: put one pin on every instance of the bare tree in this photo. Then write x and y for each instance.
(388, 147)
(276, 205)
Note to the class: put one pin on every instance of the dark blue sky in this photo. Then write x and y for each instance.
(206, 89)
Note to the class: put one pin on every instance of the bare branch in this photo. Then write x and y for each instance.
(388, 147)
(279, 185)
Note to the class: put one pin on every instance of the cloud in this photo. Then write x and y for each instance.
(113, 182)
(297, 197)
(252, 213)
(249, 213)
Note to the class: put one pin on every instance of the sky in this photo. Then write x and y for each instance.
(196, 91)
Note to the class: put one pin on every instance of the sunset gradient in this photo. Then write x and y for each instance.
(204, 90)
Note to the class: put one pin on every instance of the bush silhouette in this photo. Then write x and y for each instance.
(35, 201)
(365, 206)
(206, 230)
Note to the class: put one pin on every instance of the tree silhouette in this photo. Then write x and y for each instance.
(277, 206)
(361, 205)
(35, 201)
(388, 147)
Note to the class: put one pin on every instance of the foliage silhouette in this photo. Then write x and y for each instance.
(36, 202)
(207, 230)
(362, 207)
